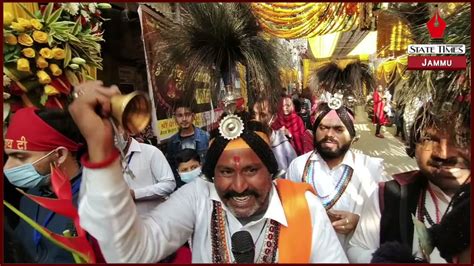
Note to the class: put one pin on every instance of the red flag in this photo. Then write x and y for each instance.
(63, 207)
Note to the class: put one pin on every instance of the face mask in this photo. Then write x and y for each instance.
(26, 176)
(191, 175)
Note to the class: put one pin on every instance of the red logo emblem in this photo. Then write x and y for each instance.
(436, 26)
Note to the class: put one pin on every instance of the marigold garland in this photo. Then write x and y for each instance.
(302, 20)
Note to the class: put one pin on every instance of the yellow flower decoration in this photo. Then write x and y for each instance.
(11, 39)
(55, 70)
(17, 27)
(50, 90)
(25, 39)
(29, 52)
(24, 23)
(46, 53)
(7, 18)
(36, 24)
(43, 77)
(23, 64)
(41, 62)
(58, 53)
(40, 36)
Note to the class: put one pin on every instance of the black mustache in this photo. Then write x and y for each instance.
(331, 139)
(233, 193)
(438, 162)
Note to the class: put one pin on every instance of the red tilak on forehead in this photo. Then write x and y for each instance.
(237, 160)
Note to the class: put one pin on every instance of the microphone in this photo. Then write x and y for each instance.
(243, 247)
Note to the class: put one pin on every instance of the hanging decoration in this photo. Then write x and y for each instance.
(49, 50)
(393, 36)
(306, 20)
(387, 69)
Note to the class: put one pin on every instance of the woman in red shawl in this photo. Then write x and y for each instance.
(291, 123)
(379, 116)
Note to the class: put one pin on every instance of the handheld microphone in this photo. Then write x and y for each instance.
(243, 247)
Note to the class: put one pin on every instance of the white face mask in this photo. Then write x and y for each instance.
(187, 177)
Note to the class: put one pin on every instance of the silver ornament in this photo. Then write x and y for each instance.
(231, 127)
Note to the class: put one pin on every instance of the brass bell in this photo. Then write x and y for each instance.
(132, 111)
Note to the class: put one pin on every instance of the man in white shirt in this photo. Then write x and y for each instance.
(342, 179)
(147, 174)
(443, 158)
(238, 195)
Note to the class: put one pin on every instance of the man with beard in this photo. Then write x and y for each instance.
(342, 179)
(238, 214)
(442, 151)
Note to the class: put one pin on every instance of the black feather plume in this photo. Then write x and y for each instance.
(210, 39)
(350, 81)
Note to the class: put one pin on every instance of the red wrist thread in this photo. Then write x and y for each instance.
(109, 160)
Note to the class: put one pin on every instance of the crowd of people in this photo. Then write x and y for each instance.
(286, 188)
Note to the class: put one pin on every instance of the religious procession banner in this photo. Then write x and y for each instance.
(165, 88)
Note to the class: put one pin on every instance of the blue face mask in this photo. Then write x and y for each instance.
(26, 176)
(187, 177)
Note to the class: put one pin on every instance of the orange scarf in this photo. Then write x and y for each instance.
(295, 241)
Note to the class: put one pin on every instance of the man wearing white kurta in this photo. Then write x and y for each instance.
(239, 195)
(366, 237)
(152, 180)
(367, 171)
(426, 193)
(342, 179)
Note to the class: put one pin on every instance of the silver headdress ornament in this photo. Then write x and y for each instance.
(231, 127)
(335, 101)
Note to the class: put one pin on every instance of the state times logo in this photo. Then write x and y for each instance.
(436, 56)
